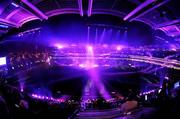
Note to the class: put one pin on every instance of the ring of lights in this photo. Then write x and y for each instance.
(151, 60)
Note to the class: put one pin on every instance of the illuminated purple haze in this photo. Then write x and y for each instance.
(94, 84)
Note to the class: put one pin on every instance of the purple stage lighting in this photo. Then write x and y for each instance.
(22, 90)
(95, 65)
(90, 48)
(105, 45)
(119, 47)
(59, 46)
(21, 86)
(94, 84)
(81, 65)
(87, 65)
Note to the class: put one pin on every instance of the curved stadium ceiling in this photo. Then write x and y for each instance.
(159, 14)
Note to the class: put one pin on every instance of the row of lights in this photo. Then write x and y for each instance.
(156, 61)
(47, 98)
(148, 92)
(89, 47)
(117, 47)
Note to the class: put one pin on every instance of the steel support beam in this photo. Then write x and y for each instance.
(154, 7)
(169, 23)
(8, 23)
(137, 9)
(62, 11)
(35, 9)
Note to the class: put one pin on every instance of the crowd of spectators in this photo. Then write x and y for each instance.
(25, 60)
(16, 105)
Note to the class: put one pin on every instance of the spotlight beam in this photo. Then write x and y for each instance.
(80, 7)
(137, 9)
(145, 12)
(90, 4)
(88, 34)
(35, 9)
(94, 78)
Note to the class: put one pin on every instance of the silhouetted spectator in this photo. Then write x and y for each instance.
(4, 112)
